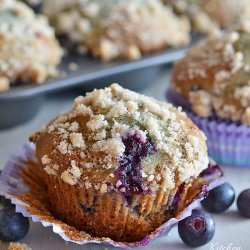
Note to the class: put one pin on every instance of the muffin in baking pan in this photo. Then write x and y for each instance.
(119, 164)
(210, 16)
(29, 51)
(113, 29)
(213, 81)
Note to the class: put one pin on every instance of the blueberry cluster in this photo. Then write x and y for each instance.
(199, 228)
(129, 171)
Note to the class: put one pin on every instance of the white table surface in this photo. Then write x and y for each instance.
(232, 231)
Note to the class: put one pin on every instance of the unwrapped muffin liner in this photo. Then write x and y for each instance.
(12, 186)
(228, 142)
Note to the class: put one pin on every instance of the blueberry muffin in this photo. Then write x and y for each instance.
(119, 164)
(29, 51)
(214, 77)
(210, 16)
(111, 29)
(213, 82)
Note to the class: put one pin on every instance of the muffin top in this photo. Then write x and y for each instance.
(209, 16)
(98, 26)
(28, 47)
(215, 76)
(117, 139)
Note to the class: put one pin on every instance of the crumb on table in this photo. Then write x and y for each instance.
(18, 246)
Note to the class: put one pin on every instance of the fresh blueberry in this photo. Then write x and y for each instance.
(219, 199)
(13, 226)
(243, 203)
(197, 229)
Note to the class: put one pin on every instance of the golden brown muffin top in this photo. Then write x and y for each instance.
(112, 132)
(28, 47)
(210, 16)
(215, 75)
(98, 26)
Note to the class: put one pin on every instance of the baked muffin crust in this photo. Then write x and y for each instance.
(210, 16)
(97, 26)
(90, 138)
(214, 76)
(29, 50)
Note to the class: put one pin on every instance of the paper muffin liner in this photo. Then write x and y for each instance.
(228, 142)
(111, 214)
(13, 187)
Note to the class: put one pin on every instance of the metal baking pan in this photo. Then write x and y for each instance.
(22, 102)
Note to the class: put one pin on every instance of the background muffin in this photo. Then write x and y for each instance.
(29, 51)
(118, 164)
(97, 26)
(213, 81)
(209, 16)
(214, 77)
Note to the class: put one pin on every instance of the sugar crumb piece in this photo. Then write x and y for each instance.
(63, 147)
(97, 186)
(74, 127)
(97, 122)
(45, 160)
(104, 188)
(100, 135)
(151, 106)
(118, 110)
(51, 169)
(132, 106)
(151, 178)
(71, 175)
(118, 130)
(87, 184)
(18, 246)
(113, 146)
(77, 140)
(83, 110)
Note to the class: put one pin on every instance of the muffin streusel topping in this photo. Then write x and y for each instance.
(98, 26)
(114, 132)
(28, 47)
(215, 76)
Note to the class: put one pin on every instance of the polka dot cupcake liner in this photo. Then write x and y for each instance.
(24, 188)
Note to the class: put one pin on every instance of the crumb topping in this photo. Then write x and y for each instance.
(29, 50)
(98, 26)
(18, 246)
(211, 16)
(103, 122)
(215, 76)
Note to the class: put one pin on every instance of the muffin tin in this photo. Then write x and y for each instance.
(22, 102)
